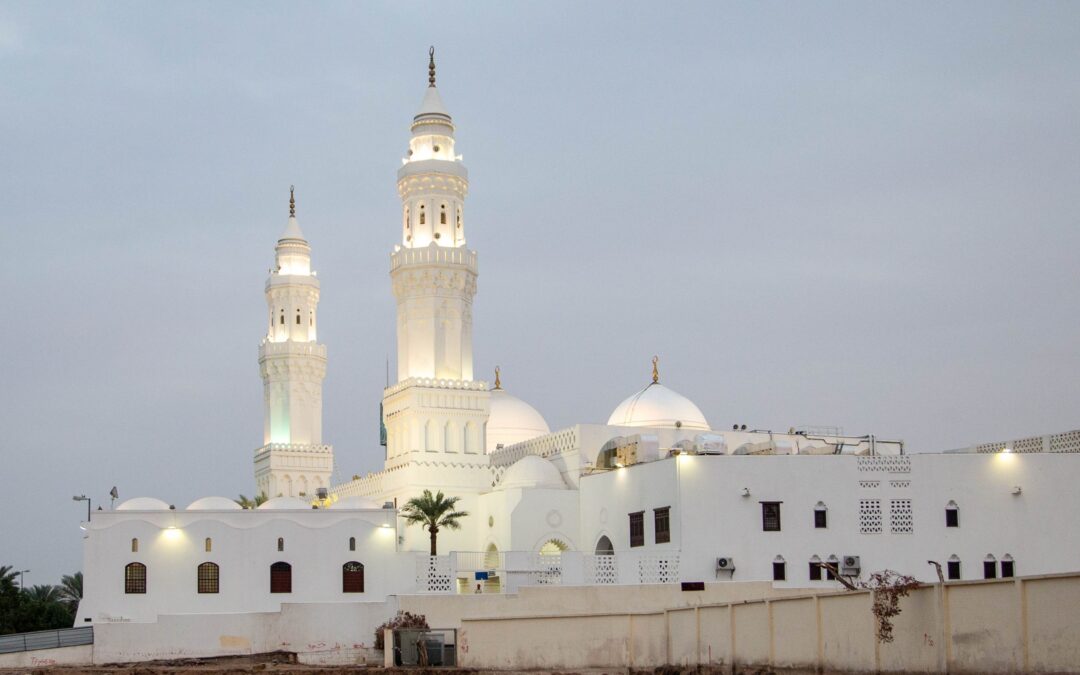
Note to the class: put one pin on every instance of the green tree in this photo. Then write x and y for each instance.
(70, 591)
(42, 593)
(246, 503)
(433, 513)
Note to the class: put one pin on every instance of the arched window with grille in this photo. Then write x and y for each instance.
(135, 578)
(952, 515)
(208, 577)
(281, 577)
(352, 577)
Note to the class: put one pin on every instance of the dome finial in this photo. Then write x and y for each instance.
(292, 201)
(655, 370)
(498, 382)
(431, 67)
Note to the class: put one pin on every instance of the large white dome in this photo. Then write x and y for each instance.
(512, 421)
(213, 504)
(658, 406)
(143, 504)
(532, 472)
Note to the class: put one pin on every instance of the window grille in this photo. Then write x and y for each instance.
(901, 520)
(208, 577)
(281, 543)
(135, 578)
(134, 545)
(352, 577)
(870, 516)
(770, 516)
(208, 545)
(829, 574)
(662, 522)
(281, 577)
(637, 529)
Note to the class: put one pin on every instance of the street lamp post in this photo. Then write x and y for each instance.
(83, 498)
(22, 583)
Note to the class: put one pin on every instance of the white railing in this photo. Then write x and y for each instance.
(601, 570)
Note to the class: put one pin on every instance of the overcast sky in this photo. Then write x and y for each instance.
(863, 215)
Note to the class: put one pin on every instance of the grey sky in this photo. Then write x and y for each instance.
(856, 214)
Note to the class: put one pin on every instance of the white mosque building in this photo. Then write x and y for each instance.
(655, 495)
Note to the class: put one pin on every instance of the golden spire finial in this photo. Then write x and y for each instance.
(292, 201)
(655, 370)
(431, 67)
(498, 382)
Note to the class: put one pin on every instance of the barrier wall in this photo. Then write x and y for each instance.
(1027, 624)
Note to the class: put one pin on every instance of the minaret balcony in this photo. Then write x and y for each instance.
(290, 348)
(433, 255)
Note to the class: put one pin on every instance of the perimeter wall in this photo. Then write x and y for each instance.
(1027, 625)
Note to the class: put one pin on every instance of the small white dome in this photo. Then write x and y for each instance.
(213, 504)
(512, 421)
(658, 406)
(143, 504)
(284, 504)
(532, 472)
(356, 502)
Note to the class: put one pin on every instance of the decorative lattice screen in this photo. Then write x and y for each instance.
(870, 516)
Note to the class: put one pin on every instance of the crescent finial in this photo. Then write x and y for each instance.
(498, 382)
(655, 370)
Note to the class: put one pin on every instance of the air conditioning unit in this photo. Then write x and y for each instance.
(850, 565)
(725, 564)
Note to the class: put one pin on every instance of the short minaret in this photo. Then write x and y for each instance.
(433, 274)
(292, 461)
(435, 406)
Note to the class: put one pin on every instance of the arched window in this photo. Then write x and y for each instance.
(352, 577)
(297, 317)
(604, 547)
(208, 577)
(1008, 567)
(821, 515)
(989, 567)
(952, 515)
(281, 577)
(135, 578)
(406, 217)
(835, 562)
(423, 218)
(459, 217)
(208, 545)
(352, 543)
(553, 547)
(953, 566)
(442, 215)
(282, 317)
(281, 543)
(135, 545)
(311, 318)
(815, 568)
(779, 569)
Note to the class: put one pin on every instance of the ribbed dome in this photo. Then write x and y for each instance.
(356, 502)
(213, 504)
(284, 503)
(512, 421)
(532, 472)
(143, 504)
(658, 406)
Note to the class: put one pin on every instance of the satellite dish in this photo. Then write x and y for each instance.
(114, 493)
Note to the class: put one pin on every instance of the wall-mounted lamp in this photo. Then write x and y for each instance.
(1017, 490)
(746, 492)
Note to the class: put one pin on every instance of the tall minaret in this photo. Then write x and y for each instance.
(435, 405)
(434, 275)
(292, 461)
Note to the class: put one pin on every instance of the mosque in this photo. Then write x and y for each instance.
(656, 495)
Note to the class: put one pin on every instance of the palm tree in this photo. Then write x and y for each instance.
(434, 513)
(7, 575)
(69, 592)
(43, 593)
(246, 503)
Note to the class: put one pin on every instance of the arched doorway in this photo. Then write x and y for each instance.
(604, 547)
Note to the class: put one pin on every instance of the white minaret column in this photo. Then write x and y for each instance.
(433, 274)
(292, 461)
(435, 406)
